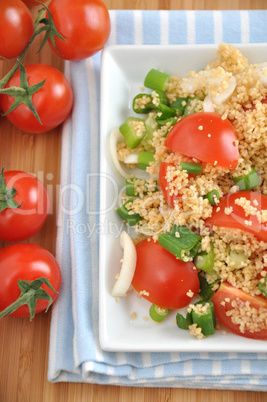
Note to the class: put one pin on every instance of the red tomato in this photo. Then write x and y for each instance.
(206, 137)
(166, 278)
(21, 223)
(16, 28)
(27, 262)
(237, 218)
(85, 24)
(53, 101)
(228, 292)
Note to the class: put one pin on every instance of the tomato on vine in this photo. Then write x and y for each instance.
(84, 24)
(16, 28)
(24, 205)
(47, 91)
(30, 280)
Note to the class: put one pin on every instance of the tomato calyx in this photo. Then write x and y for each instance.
(49, 27)
(7, 195)
(51, 32)
(23, 93)
(30, 293)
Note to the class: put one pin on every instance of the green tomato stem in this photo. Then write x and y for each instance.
(31, 292)
(24, 299)
(36, 32)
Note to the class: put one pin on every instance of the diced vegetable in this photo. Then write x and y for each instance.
(133, 130)
(184, 322)
(193, 168)
(144, 159)
(205, 261)
(156, 79)
(262, 286)
(192, 105)
(204, 317)
(181, 242)
(126, 214)
(164, 112)
(206, 289)
(131, 186)
(151, 126)
(163, 98)
(179, 105)
(213, 196)
(157, 313)
(142, 103)
(236, 258)
(248, 181)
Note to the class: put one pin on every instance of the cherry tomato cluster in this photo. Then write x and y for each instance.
(37, 98)
(80, 29)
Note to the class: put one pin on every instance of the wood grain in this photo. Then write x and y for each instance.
(23, 344)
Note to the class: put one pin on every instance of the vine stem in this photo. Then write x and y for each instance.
(7, 77)
(18, 303)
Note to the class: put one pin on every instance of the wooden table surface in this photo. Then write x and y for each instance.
(24, 344)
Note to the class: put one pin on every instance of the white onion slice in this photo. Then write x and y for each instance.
(131, 158)
(208, 104)
(115, 137)
(224, 95)
(128, 266)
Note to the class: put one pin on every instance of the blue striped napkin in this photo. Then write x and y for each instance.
(75, 354)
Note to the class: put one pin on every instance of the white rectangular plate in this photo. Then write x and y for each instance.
(122, 75)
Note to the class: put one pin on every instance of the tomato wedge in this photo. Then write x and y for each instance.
(206, 137)
(162, 278)
(237, 219)
(222, 303)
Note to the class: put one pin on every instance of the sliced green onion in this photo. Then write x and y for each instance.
(164, 112)
(133, 130)
(191, 106)
(206, 292)
(193, 168)
(163, 98)
(156, 79)
(171, 120)
(184, 322)
(212, 196)
(143, 106)
(151, 127)
(236, 258)
(205, 261)
(205, 320)
(262, 286)
(248, 181)
(181, 242)
(157, 313)
(131, 186)
(179, 105)
(125, 213)
(144, 159)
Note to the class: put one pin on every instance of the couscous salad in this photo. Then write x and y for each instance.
(198, 198)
